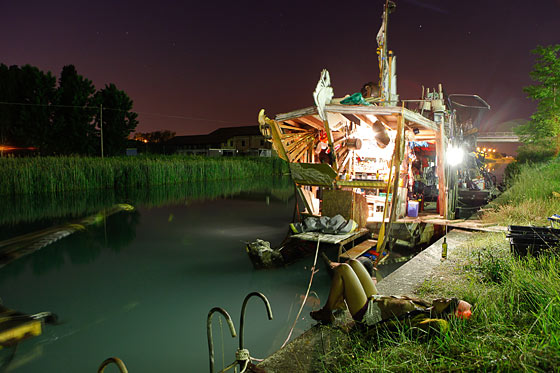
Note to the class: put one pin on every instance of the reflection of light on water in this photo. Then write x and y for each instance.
(497, 168)
(240, 232)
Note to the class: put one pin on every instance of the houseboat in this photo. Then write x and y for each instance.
(373, 157)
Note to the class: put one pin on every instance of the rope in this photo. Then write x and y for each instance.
(313, 271)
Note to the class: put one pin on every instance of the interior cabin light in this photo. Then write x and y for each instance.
(454, 155)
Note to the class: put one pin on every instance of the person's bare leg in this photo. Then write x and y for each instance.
(365, 279)
(346, 286)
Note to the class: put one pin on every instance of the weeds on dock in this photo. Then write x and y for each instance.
(515, 324)
(58, 174)
(533, 196)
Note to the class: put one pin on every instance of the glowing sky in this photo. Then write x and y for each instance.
(192, 67)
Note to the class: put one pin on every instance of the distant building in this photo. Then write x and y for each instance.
(227, 141)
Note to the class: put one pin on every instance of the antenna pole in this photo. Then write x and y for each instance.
(101, 126)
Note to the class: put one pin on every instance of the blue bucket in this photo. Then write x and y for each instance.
(413, 209)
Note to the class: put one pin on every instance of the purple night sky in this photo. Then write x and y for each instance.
(192, 67)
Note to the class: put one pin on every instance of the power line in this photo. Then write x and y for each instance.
(49, 105)
(113, 109)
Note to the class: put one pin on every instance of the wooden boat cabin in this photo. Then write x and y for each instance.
(370, 156)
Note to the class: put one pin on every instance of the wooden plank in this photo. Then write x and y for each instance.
(384, 119)
(357, 250)
(365, 184)
(282, 125)
(300, 153)
(441, 143)
(307, 204)
(396, 160)
(337, 239)
(409, 115)
(365, 119)
(303, 139)
(293, 136)
(311, 121)
(341, 139)
(344, 163)
(311, 110)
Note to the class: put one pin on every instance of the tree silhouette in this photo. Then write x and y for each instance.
(29, 122)
(63, 119)
(118, 121)
(73, 121)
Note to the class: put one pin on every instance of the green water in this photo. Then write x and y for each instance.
(139, 285)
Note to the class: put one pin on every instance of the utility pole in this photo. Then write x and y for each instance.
(101, 126)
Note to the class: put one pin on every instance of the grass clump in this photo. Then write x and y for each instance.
(515, 324)
(531, 198)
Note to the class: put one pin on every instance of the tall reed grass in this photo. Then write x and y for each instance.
(59, 174)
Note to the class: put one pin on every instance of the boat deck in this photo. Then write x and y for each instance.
(334, 239)
(468, 224)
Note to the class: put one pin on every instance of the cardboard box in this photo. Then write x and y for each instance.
(346, 203)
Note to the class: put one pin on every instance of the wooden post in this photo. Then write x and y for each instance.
(334, 163)
(441, 149)
(396, 161)
(101, 126)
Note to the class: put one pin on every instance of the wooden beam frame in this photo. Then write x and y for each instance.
(311, 121)
(283, 125)
(441, 143)
(396, 160)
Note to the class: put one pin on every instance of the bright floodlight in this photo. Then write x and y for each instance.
(454, 155)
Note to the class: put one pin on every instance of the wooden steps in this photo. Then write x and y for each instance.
(357, 250)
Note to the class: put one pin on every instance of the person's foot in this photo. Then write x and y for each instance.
(323, 315)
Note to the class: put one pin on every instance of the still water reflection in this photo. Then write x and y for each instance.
(139, 284)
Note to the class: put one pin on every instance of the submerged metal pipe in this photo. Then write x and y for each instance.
(242, 322)
(209, 332)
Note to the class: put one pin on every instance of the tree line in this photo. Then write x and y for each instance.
(62, 117)
(541, 135)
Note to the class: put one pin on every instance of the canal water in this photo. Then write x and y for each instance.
(138, 285)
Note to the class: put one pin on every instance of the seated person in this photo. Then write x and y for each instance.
(353, 285)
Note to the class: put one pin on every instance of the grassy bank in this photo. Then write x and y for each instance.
(60, 174)
(531, 197)
(516, 301)
(515, 324)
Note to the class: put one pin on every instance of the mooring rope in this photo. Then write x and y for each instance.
(313, 271)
